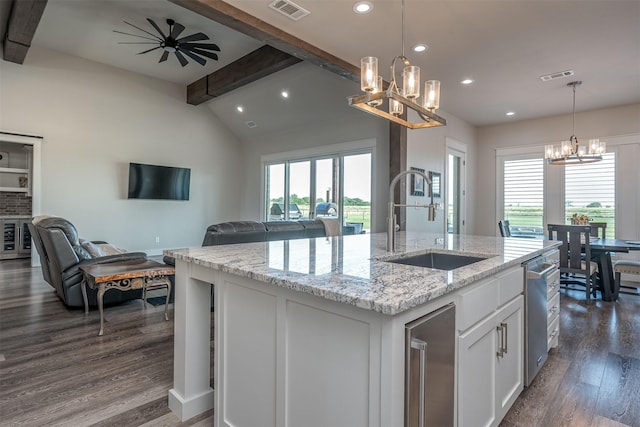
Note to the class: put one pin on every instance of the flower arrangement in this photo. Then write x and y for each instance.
(579, 219)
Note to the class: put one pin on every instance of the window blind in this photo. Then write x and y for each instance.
(524, 195)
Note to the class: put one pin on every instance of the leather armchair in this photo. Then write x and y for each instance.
(62, 254)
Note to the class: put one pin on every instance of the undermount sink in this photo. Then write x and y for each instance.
(437, 260)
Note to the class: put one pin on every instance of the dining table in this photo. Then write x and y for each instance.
(601, 250)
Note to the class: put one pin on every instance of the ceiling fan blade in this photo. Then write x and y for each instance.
(181, 58)
(193, 56)
(208, 46)
(199, 52)
(153, 48)
(156, 39)
(164, 56)
(193, 38)
(156, 27)
(137, 42)
(144, 31)
(176, 30)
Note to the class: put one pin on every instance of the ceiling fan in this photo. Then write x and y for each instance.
(170, 43)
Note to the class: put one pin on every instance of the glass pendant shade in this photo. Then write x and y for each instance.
(368, 73)
(432, 94)
(376, 89)
(395, 107)
(411, 82)
(597, 147)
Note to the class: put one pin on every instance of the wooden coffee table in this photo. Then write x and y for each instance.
(125, 276)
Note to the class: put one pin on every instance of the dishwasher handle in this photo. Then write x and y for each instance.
(541, 274)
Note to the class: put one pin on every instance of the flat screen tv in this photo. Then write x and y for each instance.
(158, 182)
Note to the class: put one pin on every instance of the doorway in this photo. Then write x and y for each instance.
(455, 166)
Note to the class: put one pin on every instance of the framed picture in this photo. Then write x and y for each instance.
(435, 183)
(417, 183)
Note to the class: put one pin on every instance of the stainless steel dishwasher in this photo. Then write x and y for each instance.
(429, 369)
(535, 325)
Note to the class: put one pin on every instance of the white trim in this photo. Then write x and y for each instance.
(453, 146)
(325, 150)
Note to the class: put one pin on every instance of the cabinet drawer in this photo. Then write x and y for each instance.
(478, 303)
(553, 333)
(553, 308)
(553, 284)
(511, 285)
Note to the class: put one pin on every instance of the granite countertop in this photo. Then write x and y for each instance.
(352, 269)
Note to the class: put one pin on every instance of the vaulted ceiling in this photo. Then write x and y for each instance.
(504, 46)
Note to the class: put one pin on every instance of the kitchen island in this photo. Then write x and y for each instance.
(312, 331)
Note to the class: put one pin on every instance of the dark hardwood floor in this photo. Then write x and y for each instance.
(56, 371)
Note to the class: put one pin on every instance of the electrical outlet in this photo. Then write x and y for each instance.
(157, 239)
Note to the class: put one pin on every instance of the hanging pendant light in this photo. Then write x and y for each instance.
(396, 98)
(570, 152)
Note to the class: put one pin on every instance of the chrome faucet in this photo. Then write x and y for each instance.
(391, 218)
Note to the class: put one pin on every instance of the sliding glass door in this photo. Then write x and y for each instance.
(336, 187)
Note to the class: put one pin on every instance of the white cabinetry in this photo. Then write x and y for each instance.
(491, 351)
(553, 310)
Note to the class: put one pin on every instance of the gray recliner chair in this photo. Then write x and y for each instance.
(62, 254)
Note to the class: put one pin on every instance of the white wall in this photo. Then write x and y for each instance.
(426, 149)
(611, 122)
(315, 134)
(95, 120)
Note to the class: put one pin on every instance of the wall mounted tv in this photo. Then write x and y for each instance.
(158, 182)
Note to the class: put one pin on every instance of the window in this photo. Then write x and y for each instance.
(590, 189)
(523, 193)
(337, 186)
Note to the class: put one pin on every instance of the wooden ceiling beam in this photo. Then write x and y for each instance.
(23, 22)
(251, 67)
(236, 19)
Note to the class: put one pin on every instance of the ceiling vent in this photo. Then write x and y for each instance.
(289, 9)
(251, 124)
(558, 75)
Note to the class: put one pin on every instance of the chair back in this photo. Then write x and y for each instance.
(575, 242)
(503, 225)
(598, 229)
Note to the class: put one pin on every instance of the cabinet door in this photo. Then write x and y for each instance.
(509, 366)
(476, 376)
(25, 238)
(9, 237)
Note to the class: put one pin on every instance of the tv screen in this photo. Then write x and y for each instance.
(158, 182)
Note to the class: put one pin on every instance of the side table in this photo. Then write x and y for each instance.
(125, 276)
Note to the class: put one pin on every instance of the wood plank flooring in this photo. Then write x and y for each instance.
(56, 371)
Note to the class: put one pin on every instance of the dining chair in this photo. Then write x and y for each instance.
(574, 268)
(503, 225)
(598, 229)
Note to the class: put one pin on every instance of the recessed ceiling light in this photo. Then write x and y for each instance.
(240, 108)
(284, 94)
(420, 47)
(466, 81)
(362, 7)
(511, 113)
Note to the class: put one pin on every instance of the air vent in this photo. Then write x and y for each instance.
(558, 75)
(289, 9)
(251, 124)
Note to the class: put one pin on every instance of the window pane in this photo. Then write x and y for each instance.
(524, 196)
(275, 192)
(590, 190)
(299, 189)
(326, 205)
(357, 193)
